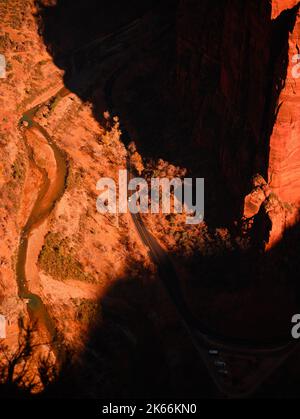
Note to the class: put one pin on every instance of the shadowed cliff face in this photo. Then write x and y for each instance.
(198, 84)
(222, 78)
(195, 82)
(138, 83)
(128, 49)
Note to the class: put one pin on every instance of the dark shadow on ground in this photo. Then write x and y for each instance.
(248, 294)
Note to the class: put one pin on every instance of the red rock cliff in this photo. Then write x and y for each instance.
(284, 157)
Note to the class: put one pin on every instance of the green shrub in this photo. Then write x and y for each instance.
(57, 259)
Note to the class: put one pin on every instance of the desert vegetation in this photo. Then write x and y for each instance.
(58, 259)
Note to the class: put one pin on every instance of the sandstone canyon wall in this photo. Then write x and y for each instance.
(284, 159)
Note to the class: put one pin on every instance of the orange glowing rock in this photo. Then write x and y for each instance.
(284, 153)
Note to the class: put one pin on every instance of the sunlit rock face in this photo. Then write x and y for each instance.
(265, 216)
(284, 156)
